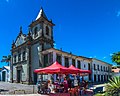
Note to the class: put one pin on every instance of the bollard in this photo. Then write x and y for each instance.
(33, 89)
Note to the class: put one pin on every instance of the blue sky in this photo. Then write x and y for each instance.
(88, 28)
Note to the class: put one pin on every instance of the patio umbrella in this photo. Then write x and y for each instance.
(55, 68)
(79, 70)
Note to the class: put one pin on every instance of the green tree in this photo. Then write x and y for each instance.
(113, 87)
(6, 59)
(116, 58)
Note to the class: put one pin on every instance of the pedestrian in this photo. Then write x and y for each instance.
(75, 82)
(65, 85)
(69, 83)
(39, 87)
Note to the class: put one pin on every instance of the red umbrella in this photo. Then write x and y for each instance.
(55, 68)
(79, 70)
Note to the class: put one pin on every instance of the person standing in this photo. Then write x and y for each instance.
(39, 86)
(65, 85)
(69, 83)
(75, 82)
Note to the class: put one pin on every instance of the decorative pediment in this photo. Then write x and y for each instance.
(20, 40)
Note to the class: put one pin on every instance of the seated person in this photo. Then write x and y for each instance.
(61, 88)
(56, 85)
(50, 87)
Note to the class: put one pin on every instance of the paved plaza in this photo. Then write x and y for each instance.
(15, 88)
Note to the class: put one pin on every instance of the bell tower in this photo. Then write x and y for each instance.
(42, 30)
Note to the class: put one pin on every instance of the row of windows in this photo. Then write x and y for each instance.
(103, 68)
(36, 31)
(66, 59)
(59, 60)
(19, 57)
(101, 77)
(99, 68)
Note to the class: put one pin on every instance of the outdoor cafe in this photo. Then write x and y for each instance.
(67, 82)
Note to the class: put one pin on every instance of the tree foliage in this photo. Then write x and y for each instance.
(113, 87)
(6, 59)
(116, 58)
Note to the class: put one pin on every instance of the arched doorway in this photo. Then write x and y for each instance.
(4, 76)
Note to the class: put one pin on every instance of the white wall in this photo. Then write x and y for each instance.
(24, 72)
(115, 74)
(83, 62)
(96, 72)
(14, 72)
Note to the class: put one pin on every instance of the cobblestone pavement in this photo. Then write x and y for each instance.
(15, 88)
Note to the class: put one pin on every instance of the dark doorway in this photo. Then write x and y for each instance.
(94, 78)
(107, 77)
(3, 76)
(89, 67)
(90, 77)
(35, 78)
(18, 76)
(104, 78)
(101, 78)
(98, 78)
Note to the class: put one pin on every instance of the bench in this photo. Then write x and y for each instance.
(19, 91)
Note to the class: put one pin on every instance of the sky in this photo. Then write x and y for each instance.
(89, 28)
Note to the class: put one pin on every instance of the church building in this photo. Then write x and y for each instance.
(25, 55)
(36, 50)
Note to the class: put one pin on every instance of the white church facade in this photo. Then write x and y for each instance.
(36, 50)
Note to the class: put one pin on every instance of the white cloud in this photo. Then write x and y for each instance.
(111, 54)
(55, 45)
(104, 57)
(7, 0)
(118, 14)
(90, 57)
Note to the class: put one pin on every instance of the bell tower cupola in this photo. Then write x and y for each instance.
(42, 28)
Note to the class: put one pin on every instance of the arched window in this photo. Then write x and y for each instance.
(23, 55)
(35, 31)
(47, 30)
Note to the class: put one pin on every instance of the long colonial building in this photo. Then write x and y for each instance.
(35, 50)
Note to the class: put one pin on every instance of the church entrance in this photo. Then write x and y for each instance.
(18, 76)
(3, 76)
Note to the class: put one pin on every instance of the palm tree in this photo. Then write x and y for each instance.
(6, 59)
(116, 58)
(113, 87)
